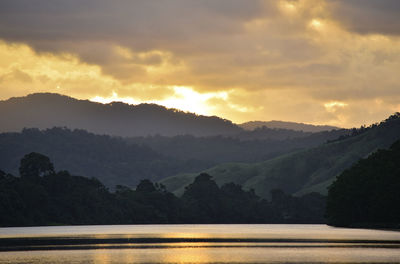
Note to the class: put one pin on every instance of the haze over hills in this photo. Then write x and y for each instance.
(249, 146)
(126, 161)
(303, 171)
(46, 110)
(116, 160)
(297, 162)
(106, 158)
(251, 125)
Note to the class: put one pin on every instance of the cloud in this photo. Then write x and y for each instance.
(271, 59)
(142, 24)
(368, 16)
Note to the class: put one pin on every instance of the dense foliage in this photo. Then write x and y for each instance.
(41, 196)
(368, 194)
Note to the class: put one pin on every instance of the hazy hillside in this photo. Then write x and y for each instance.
(111, 160)
(286, 125)
(115, 161)
(49, 110)
(248, 146)
(304, 171)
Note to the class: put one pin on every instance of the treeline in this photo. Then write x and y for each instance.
(368, 194)
(363, 129)
(42, 196)
(109, 159)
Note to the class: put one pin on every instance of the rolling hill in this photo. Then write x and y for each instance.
(304, 171)
(46, 110)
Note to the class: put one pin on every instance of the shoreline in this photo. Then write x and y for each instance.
(69, 243)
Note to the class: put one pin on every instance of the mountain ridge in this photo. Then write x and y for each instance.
(47, 110)
(252, 125)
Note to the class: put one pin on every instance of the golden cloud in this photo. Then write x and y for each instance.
(242, 60)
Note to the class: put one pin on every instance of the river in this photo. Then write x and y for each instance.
(198, 244)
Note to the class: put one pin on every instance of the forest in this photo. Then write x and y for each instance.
(367, 194)
(42, 196)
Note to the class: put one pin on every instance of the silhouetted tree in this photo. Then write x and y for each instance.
(61, 198)
(35, 165)
(145, 186)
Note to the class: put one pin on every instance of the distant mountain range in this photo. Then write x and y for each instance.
(155, 142)
(47, 110)
(303, 171)
(286, 125)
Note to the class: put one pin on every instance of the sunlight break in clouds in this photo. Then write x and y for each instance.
(333, 106)
(184, 98)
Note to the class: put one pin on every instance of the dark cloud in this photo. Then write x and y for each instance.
(368, 16)
(130, 22)
(92, 28)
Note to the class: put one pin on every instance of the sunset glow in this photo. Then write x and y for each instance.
(247, 60)
(184, 98)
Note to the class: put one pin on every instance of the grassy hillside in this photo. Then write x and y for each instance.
(303, 171)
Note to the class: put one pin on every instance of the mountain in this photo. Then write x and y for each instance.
(286, 125)
(46, 110)
(304, 171)
(109, 159)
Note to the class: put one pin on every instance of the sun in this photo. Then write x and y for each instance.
(184, 98)
(189, 100)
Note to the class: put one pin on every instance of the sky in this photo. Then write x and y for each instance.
(313, 61)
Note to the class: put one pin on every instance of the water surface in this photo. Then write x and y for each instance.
(198, 244)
